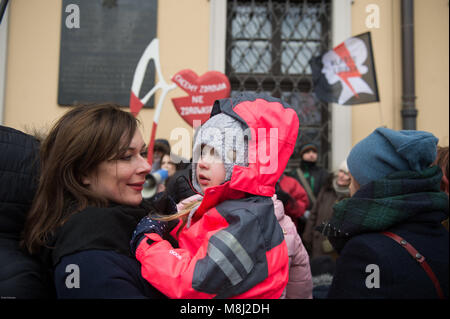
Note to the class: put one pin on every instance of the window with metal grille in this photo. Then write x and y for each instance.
(269, 45)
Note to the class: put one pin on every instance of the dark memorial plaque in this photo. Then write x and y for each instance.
(98, 58)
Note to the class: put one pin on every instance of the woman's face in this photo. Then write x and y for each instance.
(210, 169)
(120, 180)
(343, 178)
(167, 164)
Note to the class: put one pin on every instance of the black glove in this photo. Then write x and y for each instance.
(147, 225)
(160, 204)
(284, 197)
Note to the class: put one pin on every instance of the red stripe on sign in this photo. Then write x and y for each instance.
(345, 55)
(135, 104)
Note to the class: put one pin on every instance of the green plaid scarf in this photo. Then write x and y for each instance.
(384, 203)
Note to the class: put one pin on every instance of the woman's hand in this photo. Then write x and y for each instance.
(147, 225)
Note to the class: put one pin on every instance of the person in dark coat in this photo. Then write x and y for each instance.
(172, 164)
(179, 186)
(88, 202)
(395, 192)
(21, 275)
(314, 175)
(335, 190)
(311, 177)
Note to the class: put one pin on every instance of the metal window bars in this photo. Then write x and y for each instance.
(269, 45)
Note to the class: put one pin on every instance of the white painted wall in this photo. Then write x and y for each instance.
(217, 35)
(341, 115)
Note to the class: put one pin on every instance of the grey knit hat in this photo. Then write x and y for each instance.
(227, 137)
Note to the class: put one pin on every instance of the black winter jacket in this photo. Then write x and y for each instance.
(21, 276)
(400, 276)
(91, 256)
(315, 175)
(179, 185)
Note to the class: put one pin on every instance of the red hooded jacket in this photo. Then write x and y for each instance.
(234, 247)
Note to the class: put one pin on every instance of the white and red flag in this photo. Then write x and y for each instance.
(346, 75)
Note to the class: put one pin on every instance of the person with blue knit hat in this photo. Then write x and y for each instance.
(388, 233)
(386, 151)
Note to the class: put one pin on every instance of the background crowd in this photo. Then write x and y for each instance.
(64, 201)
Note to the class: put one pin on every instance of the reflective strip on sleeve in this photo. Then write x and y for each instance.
(224, 263)
(219, 258)
(236, 248)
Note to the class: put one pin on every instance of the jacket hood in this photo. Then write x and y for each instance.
(272, 129)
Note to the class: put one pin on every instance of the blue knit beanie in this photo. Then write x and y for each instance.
(386, 151)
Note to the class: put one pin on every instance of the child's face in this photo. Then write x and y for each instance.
(210, 169)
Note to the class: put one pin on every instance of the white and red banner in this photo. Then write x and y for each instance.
(202, 92)
(346, 75)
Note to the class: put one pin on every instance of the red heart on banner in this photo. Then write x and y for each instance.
(202, 92)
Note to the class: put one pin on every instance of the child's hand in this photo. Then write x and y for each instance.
(147, 225)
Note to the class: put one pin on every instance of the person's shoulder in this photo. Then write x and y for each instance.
(248, 210)
(101, 273)
(370, 238)
(291, 172)
(105, 228)
(249, 202)
(99, 257)
(12, 135)
(22, 276)
(373, 245)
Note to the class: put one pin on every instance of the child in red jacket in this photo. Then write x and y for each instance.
(230, 244)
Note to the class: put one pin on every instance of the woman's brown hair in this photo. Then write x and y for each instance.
(79, 141)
